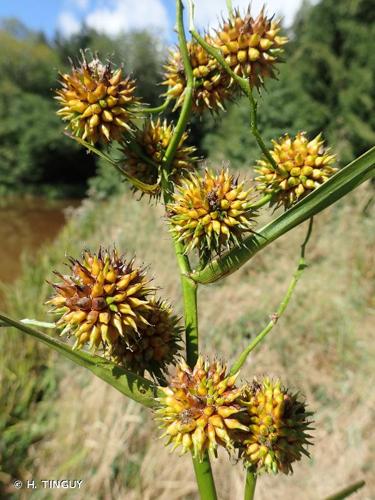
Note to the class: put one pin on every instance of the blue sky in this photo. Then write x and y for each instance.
(111, 16)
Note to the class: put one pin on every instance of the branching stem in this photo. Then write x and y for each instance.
(282, 307)
(202, 470)
(158, 109)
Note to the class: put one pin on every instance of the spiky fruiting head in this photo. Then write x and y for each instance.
(211, 82)
(210, 212)
(302, 166)
(278, 428)
(96, 100)
(144, 154)
(251, 46)
(103, 298)
(156, 345)
(198, 410)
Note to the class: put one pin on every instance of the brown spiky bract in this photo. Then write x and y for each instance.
(198, 410)
(211, 82)
(211, 212)
(96, 101)
(278, 428)
(251, 46)
(302, 166)
(145, 151)
(103, 298)
(155, 347)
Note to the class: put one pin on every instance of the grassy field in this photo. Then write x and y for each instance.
(59, 422)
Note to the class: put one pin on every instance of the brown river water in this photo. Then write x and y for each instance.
(25, 225)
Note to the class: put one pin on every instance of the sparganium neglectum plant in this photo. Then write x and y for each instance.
(106, 303)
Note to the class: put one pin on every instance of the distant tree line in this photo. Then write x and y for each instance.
(327, 84)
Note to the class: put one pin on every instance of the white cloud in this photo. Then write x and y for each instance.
(68, 24)
(124, 15)
(207, 12)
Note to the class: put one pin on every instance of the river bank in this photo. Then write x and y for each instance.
(25, 225)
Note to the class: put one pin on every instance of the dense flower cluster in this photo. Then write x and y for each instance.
(96, 101)
(202, 409)
(143, 153)
(155, 347)
(302, 166)
(199, 408)
(251, 46)
(211, 82)
(278, 424)
(108, 303)
(211, 212)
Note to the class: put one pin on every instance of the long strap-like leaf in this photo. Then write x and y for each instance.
(138, 388)
(336, 187)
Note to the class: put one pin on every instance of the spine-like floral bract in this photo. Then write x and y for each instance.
(211, 212)
(145, 151)
(102, 299)
(278, 426)
(199, 409)
(96, 101)
(302, 166)
(251, 47)
(155, 347)
(211, 82)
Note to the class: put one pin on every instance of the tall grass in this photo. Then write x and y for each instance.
(73, 426)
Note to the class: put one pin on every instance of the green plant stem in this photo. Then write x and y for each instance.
(137, 183)
(242, 83)
(205, 480)
(188, 97)
(254, 128)
(202, 470)
(261, 202)
(251, 481)
(339, 185)
(281, 309)
(158, 109)
(190, 291)
(346, 492)
(137, 388)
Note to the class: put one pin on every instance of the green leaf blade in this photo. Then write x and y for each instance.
(133, 386)
(342, 183)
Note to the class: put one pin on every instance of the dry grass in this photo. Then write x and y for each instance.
(322, 346)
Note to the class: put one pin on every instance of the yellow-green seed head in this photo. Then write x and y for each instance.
(96, 101)
(198, 411)
(145, 151)
(155, 347)
(278, 425)
(302, 166)
(251, 46)
(211, 212)
(104, 298)
(211, 82)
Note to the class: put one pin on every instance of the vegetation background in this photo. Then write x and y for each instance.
(55, 420)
